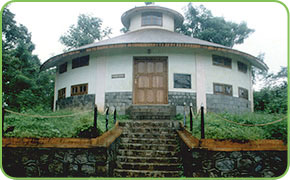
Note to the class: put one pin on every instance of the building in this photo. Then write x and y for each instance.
(152, 64)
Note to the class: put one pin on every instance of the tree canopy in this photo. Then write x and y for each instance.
(200, 23)
(23, 85)
(86, 31)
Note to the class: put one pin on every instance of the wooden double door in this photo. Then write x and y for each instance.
(150, 80)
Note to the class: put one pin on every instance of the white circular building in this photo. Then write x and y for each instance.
(152, 64)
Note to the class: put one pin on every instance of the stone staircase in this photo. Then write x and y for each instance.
(148, 148)
(152, 112)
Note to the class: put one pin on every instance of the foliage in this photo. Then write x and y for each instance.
(149, 3)
(124, 30)
(13, 34)
(23, 85)
(55, 127)
(216, 128)
(87, 30)
(258, 74)
(200, 23)
(273, 97)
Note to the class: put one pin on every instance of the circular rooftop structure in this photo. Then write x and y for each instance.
(126, 17)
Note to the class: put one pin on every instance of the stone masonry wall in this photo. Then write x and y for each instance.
(222, 103)
(204, 163)
(60, 162)
(86, 101)
(179, 98)
(121, 100)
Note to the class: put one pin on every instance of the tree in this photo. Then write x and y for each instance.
(258, 74)
(23, 85)
(149, 3)
(200, 23)
(12, 34)
(87, 30)
(124, 30)
(272, 98)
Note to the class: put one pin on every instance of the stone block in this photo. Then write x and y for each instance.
(88, 169)
(81, 159)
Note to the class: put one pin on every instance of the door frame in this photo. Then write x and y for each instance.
(152, 58)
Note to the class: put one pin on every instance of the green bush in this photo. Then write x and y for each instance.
(54, 127)
(217, 128)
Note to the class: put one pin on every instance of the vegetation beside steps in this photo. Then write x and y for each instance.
(148, 148)
(80, 125)
(217, 128)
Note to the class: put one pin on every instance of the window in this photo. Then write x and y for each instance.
(80, 61)
(222, 89)
(79, 89)
(151, 19)
(243, 93)
(61, 94)
(221, 61)
(182, 81)
(62, 68)
(242, 67)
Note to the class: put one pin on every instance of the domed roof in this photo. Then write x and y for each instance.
(178, 18)
(153, 38)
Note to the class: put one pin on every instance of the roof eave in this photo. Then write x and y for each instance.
(51, 62)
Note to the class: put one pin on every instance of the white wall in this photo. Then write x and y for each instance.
(122, 63)
(119, 64)
(81, 75)
(102, 66)
(183, 64)
(100, 82)
(168, 23)
(218, 74)
(200, 79)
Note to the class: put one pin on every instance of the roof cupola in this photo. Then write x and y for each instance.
(151, 17)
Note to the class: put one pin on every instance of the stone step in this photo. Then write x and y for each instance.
(145, 112)
(152, 112)
(149, 135)
(148, 130)
(150, 116)
(161, 147)
(148, 141)
(132, 159)
(152, 108)
(149, 166)
(145, 173)
(149, 123)
(147, 153)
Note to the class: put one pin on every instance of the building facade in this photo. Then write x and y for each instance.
(152, 64)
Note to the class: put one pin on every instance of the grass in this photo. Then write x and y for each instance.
(54, 127)
(216, 128)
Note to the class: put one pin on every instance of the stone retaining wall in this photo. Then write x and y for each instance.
(179, 98)
(76, 102)
(60, 162)
(61, 157)
(121, 100)
(222, 103)
(204, 163)
(226, 158)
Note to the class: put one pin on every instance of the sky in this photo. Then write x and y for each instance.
(47, 21)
